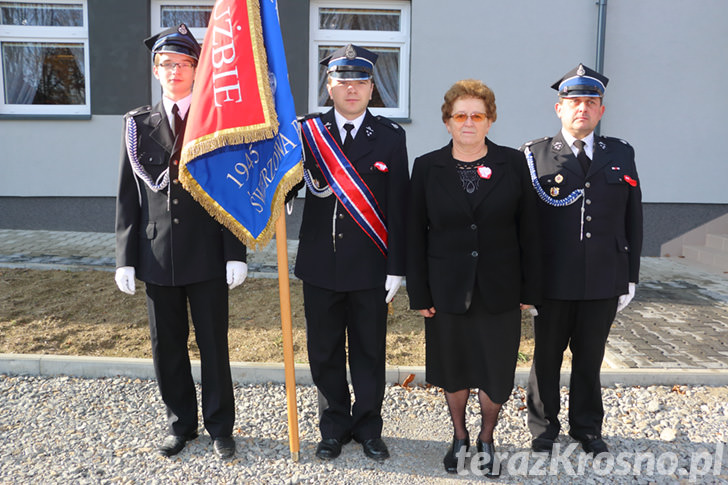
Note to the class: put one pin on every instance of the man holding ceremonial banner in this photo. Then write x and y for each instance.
(351, 250)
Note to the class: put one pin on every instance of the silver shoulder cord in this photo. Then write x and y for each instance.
(568, 200)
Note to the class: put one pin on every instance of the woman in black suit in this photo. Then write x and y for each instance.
(472, 263)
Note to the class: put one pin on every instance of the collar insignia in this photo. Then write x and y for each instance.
(557, 145)
(369, 130)
(602, 145)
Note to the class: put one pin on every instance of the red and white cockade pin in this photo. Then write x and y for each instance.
(630, 181)
(484, 172)
(616, 168)
(381, 166)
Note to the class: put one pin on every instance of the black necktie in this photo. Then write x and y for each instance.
(349, 140)
(177, 120)
(581, 155)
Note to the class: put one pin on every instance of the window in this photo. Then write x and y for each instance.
(383, 27)
(171, 13)
(44, 57)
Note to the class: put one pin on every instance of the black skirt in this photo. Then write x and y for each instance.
(475, 349)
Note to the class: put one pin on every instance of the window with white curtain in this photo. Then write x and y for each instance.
(170, 13)
(44, 58)
(383, 27)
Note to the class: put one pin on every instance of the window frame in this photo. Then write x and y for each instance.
(400, 39)
(156, 26)
(48, 34)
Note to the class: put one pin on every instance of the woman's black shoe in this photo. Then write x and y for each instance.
(451, 458)
(486, 460)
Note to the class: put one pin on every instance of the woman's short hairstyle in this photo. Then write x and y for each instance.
(469, 88)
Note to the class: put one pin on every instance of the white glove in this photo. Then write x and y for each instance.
(392, 285)
(625, 299)
(125, 279)
(235, 273)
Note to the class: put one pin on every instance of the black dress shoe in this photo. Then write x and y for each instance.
(541, 444)
(486, 463)
(375, 449)
(330, 448)
(451, 458)
(173, 444)
(224, 446)
(592, 443)
(595, 446)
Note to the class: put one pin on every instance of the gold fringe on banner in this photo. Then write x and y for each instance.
(289, 180)
(243, 134)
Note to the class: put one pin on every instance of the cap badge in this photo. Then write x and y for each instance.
(350, 53)
(484, 172)
(554, 191)
(580, 71)
(182, 29)
(557, 145)
(559, 178)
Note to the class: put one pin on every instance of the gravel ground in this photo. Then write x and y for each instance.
(72, 430)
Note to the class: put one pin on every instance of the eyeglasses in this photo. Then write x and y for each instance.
(460, 117)
(169, 65)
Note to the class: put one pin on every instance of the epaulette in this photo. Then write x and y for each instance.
(309, 116)
(387, 122)
(537, 140)
(138, 111)
(611, 138)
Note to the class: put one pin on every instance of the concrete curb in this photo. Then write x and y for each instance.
(259, 373)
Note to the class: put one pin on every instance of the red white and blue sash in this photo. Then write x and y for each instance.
(345, 182)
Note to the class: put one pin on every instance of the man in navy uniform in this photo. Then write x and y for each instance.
(168, 240)
(350, 264)
(591, 230)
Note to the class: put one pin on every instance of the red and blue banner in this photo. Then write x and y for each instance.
(242, 149)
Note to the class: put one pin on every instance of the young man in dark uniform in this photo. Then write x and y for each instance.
(591, 231)
(351, 251)
(168, 240)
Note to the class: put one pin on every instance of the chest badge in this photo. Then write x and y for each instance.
(381, 166)
(554, 191)
(559, 178)
(630, 181)
(484, 172)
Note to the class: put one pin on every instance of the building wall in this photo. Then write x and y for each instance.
(62, 172)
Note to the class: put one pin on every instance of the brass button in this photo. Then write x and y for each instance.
(175, 201)
(176, 162)
(588, 201)
(588, 235)
(474, 254)
(588, 218)
(587, 185)
(175, 181)
(175, 220)
(340, 236)
(341, 216)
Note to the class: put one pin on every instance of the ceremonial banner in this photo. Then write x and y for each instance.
(242, 150)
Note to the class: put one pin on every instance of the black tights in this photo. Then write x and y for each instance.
(457, 402)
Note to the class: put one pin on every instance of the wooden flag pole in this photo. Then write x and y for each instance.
(284, 291)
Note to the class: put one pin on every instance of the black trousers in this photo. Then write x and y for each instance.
(331, 316)
(169, 329)
(584, 327)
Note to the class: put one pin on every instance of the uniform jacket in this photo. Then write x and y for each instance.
(169, 240)
(334, 252)
(599, 260)
(452, 243)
